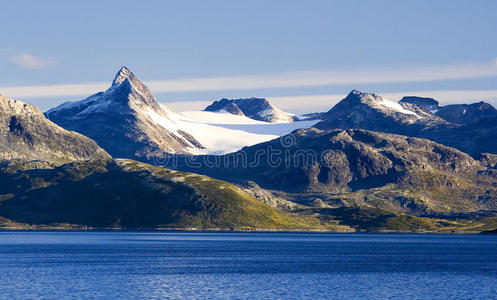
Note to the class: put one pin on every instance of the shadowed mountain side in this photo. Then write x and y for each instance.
(467, 113)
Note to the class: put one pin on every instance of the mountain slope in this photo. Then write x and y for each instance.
(358, 167)
(467, 113)
(254, 108)
(128, 194)
(125, 194)
(25, 133)
(123, 121)
(373, 112)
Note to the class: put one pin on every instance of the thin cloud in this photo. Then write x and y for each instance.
(323, 78)
(29, 61)
(320, 103)
(276, 80)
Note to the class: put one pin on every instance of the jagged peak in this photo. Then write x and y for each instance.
(128, 80)
(123, 74)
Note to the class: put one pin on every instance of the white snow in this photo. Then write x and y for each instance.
(277, 115)
(222, 132)
(396, 107)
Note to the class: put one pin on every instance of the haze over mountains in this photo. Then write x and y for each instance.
(368, 163)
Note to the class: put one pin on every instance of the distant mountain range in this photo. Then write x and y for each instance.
(412, 118)
(368, 163)
(128, 122)
(455, 113)
(254, 108)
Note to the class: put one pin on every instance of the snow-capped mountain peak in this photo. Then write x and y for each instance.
(123, 74)
(373, 112)
(128, 122)
(378, 102)
(123, 120)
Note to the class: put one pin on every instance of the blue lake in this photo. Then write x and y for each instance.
(107, 265)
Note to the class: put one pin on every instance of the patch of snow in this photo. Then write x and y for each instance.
(396, 107)
(222, 132)
(220, 117)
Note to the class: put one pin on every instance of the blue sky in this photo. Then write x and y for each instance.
(296, 52)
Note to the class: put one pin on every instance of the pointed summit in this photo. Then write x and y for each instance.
(123, 120)
(130, 89)
(123, 74)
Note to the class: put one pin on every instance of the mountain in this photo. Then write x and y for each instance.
(467, 113)
(372, 112)
(358, 167)
(126, 194)
(455, 113)
(123, 193)
(254, 108)
(26, 134)
(128, 122)
(124, 121)
(427, 103)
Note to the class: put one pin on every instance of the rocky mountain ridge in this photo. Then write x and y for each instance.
(372, 112)
(26, 134)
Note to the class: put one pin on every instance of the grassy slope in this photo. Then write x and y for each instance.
(128, 194)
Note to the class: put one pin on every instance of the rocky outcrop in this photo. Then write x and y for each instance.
(26, 134)
(124, 121)
(254, 108)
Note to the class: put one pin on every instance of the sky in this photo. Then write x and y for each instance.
(302, 55)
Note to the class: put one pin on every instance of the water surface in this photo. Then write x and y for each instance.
(106, 265)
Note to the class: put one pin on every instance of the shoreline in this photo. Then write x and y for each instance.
(227, 230)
